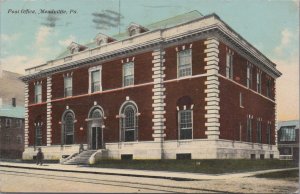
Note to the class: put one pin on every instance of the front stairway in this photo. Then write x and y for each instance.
(82, 158)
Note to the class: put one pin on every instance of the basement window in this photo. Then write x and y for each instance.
(185, 156)
(126, 156)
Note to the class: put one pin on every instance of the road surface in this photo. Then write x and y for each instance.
(29, 180)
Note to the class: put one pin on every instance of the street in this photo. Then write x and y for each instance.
(29, 180)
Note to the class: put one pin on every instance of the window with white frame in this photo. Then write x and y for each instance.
(68, 86)
(68, 128)
(38, 93)
(249, 128)
(185, 124)
(258, 81)
(184, 64)
(129, 122)
(241, 129)
(268, 134)
(249, 75)
(241, 100)
(95, 83)
(258, 131)
(128, 74)
(38, 135)
(288, 133)
(229, 64)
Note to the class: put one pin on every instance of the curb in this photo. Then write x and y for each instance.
(103, 173)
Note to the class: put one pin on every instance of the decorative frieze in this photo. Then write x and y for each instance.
(212, 99)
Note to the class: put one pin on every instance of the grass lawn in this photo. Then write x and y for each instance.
(292, 175)
(197, 166)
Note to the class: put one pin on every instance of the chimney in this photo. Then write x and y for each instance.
(13, 102)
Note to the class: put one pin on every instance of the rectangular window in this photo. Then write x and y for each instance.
(19, 139)
(269, 133)
(184, 63)
(19, 123)
(249, 75)
(249, 129)
(7, 122)
(68, 86)
(241, 129)
(258, 131)
(95, 83)
(258, 82)
(287, 133)
(7, 139)
(13, 102)
(38, 93)
(128, 74)
(38, 136)
(185, 124)
(241, 100)
(229, 65)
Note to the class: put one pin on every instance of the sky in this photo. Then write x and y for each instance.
(272, 26)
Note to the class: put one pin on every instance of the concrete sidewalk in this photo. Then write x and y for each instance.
(135, 173)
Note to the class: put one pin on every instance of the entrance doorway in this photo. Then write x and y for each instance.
(97, 135)
(95, 128)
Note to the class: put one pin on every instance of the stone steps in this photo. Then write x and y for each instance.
(82, 158)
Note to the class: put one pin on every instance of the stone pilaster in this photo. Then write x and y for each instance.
(49, 111)
(158, 96)
(212, 99)
(26, 124)
(275, 112)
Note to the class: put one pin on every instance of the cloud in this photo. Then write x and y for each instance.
(9, 38)
(42, 35)
(18, 63)
(287, 37)
(67, 41)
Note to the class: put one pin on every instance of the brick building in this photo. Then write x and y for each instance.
(11, 115)
(187, 86)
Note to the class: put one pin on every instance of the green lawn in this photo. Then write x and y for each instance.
(292, 175)
(197, 166)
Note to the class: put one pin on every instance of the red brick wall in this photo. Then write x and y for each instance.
(194, 88)
(111, 103)
(37, 111)
(231, 114)
(240, 70)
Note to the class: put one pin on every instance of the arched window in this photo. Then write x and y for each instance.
(129, 122)
(96, 114)
(68, 127)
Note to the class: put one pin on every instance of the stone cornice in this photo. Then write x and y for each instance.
(209, 26)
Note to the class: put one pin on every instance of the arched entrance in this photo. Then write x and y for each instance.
(95, 127)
